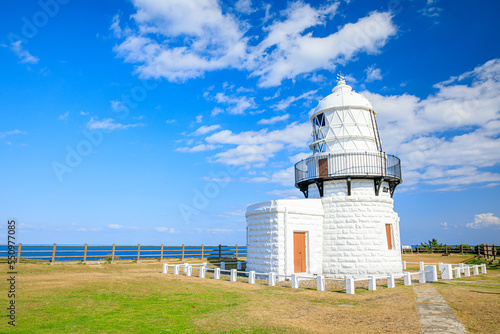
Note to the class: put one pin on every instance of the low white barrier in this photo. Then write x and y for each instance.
(428, 273)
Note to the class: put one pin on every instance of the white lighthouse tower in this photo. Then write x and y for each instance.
(346, 224)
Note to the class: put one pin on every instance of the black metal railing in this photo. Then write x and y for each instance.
(362, 164)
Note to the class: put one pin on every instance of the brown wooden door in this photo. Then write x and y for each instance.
(299, 252)
(323, 167)
(388, 232)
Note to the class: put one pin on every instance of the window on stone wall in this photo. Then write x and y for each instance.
(388, 232)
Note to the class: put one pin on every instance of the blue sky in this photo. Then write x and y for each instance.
(151, 121)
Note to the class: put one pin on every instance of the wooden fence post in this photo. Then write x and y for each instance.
(84, 252)
(113, 254)
(19, 252)
(220, 251)
(478, 250)
(432, 250)
(446, 249)
(202, 251)
(138, 252)
(182, 252)
(236, 250)
(494, 250)
(53, 253)
(161, 253)
(462, 249)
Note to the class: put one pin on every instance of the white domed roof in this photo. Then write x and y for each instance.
(342, 96)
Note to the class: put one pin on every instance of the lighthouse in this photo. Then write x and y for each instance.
(345, 224)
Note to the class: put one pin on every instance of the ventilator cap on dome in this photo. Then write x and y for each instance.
(342, 97)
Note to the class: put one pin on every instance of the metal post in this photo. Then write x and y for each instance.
(320, 283)
(165, 268)
(251, 277)
(176, 269)
(217, 273)
(295, 281)
(421, 276)
(372, 283)
(138, 252)
(349, 285)
(113, 254)
(407, 278)
(189, 270)
(19, 252)
(272, 279)
(202, 272)
(390, 281)
(182, 258)
(84, 253)
(233, 275)
(161, 253)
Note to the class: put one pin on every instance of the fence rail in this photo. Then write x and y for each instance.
(114, 252)
(488, 251)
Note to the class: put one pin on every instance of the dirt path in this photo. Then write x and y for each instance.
(436, 316)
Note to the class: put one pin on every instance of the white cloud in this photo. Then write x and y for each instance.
(170, 121)
(484, 220)
(197, 148)
(274, 119)
(288, 193)
(64, 116)
(237, 105)
(199, 118)
(205, 129)
(444, 225)
(467, 107)
(83, 113)
(179, 40)
(373, 73)
(115, 226)
(24, 56)
(10, 133)
(166, 229)
(295, 52)
(109, 124)
(283, 104)
(244, 6)
(254, 147)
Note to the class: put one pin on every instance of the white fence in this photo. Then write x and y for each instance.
(428, 273)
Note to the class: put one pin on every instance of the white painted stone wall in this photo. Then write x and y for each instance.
(270, 235)
(355, 240)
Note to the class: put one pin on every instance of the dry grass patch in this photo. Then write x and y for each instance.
(137, 297)
(476, 305)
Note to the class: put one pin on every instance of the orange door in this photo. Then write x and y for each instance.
(323, 167)
(388, 232)
(299, 252)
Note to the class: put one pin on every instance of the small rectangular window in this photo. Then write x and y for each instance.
(388, 232)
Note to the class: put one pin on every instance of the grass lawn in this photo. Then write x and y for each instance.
(138, 298)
